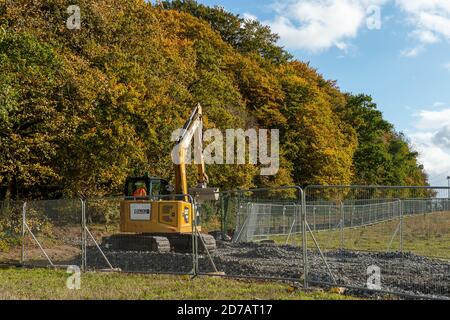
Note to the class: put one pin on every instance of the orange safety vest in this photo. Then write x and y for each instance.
(141, 192)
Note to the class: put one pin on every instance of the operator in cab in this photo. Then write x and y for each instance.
(140, 191)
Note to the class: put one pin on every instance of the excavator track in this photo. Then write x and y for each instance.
(209, 241)
(183, 242)
(158, 243)
(140, 242)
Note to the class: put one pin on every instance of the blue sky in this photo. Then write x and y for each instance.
(403, 63)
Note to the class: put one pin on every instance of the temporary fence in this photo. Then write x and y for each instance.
(52, 233)
(391, 239)
(270, 216)
(387, 240)
(11, 231)
(41, 233)
(102, 222)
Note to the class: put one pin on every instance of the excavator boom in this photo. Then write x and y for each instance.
(192, 132)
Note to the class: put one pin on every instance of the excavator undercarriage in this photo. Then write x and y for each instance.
(161, 243)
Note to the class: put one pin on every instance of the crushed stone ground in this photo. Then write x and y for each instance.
(400, 273)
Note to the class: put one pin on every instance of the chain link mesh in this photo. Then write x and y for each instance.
(10, 231)
(349, 232)
(399, 230)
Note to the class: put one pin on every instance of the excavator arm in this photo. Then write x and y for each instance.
(192, 131)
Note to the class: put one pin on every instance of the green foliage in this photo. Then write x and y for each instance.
(33, 117)
(383, 157)
(10, 225)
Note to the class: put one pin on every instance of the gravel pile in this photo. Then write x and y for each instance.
(402, 273)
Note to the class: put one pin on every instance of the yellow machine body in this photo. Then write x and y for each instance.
(156, 217)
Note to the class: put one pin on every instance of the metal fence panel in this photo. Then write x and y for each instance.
(394, 232)
(264, 221)
(52, 233)
(103, 221)
(391, 240)
(102, 218)
(426, 228)
(10, 231)
(264, 228)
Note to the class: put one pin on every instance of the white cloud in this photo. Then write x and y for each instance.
(414, 52)
(433, 120)
(316, 25)
(424, 5)
(442, 137)
(447, 66)
(429, 18)
(249, 16)
(425, 36)
(432, 141)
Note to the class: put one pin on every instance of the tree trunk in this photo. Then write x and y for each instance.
(11, 191)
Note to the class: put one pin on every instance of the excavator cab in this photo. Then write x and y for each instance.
(146, 188)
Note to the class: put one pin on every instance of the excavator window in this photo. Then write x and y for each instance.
(156, 188)
(144, 187)
(137, 187)
(159, 187)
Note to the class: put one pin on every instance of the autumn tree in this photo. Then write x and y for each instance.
(86, 108)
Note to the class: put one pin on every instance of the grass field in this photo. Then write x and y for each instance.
(51, 284)
(427, 235)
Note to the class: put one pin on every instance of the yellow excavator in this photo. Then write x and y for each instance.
(157, 217)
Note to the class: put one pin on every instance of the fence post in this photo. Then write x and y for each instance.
(83, 236)
(22, 252)
(401, 226)
(314, 218)
(304, 239)
(351, 218)
(222, 213)
(342, 225)
(195, 236)
(362, 218)
(329, 218)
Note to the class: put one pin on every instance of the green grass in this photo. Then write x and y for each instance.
(427, 235)
(51, 284)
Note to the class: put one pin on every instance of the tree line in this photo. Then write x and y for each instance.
(83, 109)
